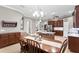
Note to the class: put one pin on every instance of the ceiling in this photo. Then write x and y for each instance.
(49, 10)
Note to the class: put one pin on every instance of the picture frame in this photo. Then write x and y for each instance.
(9, 24)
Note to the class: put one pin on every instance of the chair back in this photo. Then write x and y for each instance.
(33, 46)
(23, 46)
(63, 47)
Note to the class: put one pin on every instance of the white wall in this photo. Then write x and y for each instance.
(68, 24)
(70, 20)
(10, 15)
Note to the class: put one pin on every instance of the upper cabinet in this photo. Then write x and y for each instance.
(58, 23)
(76, 17)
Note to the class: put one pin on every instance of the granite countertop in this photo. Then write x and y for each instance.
(45, 32)
(74, 35)
(74, 32)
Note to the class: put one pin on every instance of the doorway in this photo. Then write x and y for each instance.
(27, 25)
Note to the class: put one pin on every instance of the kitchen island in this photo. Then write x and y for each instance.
(47, 35)
(73, 42)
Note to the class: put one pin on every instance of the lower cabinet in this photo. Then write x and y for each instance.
(3, 42)
(73, 44)
(9, 39)
(58, 33)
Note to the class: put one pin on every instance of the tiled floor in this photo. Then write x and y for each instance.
(16, 47)
(11, 49)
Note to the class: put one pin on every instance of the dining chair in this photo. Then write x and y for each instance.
(24, 47)
(23, 43)
(63, 47)
(33, 46)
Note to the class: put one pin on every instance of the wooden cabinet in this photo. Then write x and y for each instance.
(3, 40)
(58, 23)
(59, 33)
(73, 44)
(9, 38)
(76, 17)
(50, 22)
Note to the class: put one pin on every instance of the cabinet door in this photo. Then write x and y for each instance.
(77, 16)
(49, 23)
(60, 23)
(55, 23)
(59, 33)
(77, 19)
(73, 44)
(13, 38)
(3, 40)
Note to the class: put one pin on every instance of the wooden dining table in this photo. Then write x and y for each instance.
(45, 45)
